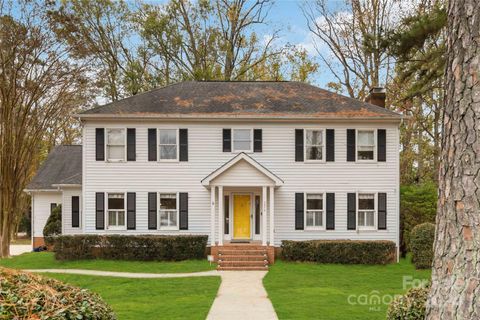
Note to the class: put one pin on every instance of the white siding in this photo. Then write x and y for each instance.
(68, 193)
(41, 209)
(278, 156)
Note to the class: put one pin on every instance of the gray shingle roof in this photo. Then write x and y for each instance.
(62, 166)
(237, 99)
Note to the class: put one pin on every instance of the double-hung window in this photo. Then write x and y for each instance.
(314, 145)
(242, 140)
(116, 211)
(314, 211)
(366, 211)
(366, 145)
(168, 144)
(115, 144)
(168, 211)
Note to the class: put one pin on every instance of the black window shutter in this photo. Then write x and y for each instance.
(352, 211)
(299, 211)
(152, 144)
(382, 211)
(227, 140)
(75, 211)
(330, 145)
(183, 136)
(226, 203)
(382, 145)
(131, 144)
(131, 210)
(257, 140)
(351, 145)
(100, 144)
(183, 210)
(152, 211)
(99, 211)
(330, 211)
(298, 145)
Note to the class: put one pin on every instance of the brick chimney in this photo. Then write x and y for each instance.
(377, 96)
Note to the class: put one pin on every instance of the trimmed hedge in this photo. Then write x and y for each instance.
(28, 296)
(342, 251)
(410, 306)
(421, 243)
(121, 247)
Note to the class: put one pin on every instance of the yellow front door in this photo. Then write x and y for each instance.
(241, 216)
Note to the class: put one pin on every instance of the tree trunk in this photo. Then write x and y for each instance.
(455, 292)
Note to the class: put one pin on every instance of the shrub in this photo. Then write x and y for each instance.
(342, 251)
(418, 204)
(28, 296)
(121, 247)
(53, 227)
(421, 243)
(410, 306)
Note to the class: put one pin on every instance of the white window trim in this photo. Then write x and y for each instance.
(233, 141)
(323, 146)
(158, 145)
(375, 147)
(315, 228)
(168, 228)
(116, 228)
(375, 212)
(124, 144)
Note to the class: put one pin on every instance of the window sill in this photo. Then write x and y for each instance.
(314, 229)
(116, 228)
(168, 229)
(115, 161)
(168, 161)
(314, 161)
(367, 229)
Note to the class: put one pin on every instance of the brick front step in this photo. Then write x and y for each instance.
(241, 252)
(242, 263)
(249, 257)
(243, 268)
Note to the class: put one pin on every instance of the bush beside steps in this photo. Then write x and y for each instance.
(122, 247)
(28, 296)
(410, 306)
(340, 251)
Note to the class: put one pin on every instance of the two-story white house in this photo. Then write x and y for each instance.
(254, 162)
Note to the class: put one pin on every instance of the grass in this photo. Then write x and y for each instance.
(179, 298)
(328, 291)
(46, 260)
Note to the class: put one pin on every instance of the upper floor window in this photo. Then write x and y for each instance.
(115, 144)
(116, 210)
(366, 145)
(242, 140)
(314, 145)
(366, 211)
(314, 211)
(168, 144)
(168, 211)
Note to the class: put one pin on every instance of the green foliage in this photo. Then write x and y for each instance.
(418, 204)
(410, 306)
(53, 227)
(341, 251)
(120, 247)
(29, 296)
(421, 243)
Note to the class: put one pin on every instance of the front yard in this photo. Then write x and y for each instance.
(328, 291)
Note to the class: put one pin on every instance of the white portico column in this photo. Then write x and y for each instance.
(220, 215)
(264, 216)
(272, 201)
(212, 216)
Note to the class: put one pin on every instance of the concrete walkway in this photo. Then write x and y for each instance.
(242, 296)
(18, 249)
(127, 274)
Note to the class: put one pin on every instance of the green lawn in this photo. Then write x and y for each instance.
(178, 298)
(46, 260)
(328, 291)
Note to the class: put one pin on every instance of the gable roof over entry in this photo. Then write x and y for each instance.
(242, 170)
(241, 99)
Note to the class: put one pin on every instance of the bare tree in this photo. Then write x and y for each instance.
(39, 87)
(455, 290)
